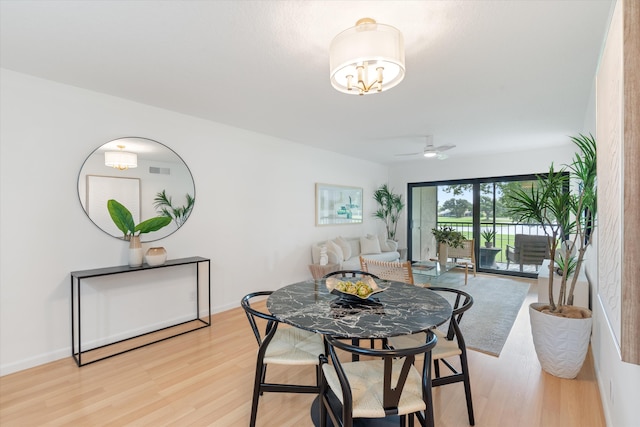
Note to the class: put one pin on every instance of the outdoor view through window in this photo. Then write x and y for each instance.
(477, 209)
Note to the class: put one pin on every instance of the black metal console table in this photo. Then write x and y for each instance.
(174, 330)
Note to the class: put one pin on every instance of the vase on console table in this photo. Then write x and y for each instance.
(135, 252)
(156, 256)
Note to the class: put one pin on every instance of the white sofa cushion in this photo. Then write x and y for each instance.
(353, 263)
(333, 247)
(345, 246)
(369, 244)
(384, 244)
(333, 258)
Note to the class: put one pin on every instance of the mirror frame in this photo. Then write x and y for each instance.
(106, 181)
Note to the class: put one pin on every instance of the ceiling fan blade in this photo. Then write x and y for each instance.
(441, 156)
(445, 147)
(407, 154)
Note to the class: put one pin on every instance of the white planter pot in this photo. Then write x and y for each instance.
(561, 343)
(443, 255)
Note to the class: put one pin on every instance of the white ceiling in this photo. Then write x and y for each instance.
(487, 76)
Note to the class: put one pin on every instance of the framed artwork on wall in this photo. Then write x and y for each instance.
(102, 188)
(338, 204)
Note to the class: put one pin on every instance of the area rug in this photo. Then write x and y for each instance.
(496, 302)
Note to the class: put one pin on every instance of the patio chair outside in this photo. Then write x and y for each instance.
(528, 250)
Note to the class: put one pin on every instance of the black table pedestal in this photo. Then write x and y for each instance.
(390, 421)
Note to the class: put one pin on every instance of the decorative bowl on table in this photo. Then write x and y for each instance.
(353, 288)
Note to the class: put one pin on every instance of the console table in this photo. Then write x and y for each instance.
(198, 322)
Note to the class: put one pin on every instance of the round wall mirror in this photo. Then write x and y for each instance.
(146, 177)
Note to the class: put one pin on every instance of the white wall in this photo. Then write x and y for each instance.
(254, 212)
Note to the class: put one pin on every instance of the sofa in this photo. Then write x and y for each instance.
(345, 252)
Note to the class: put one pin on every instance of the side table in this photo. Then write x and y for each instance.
(318, 271)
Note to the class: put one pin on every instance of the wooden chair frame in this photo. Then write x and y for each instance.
(467, 251)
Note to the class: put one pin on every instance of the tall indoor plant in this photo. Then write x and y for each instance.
(568, 219)
(389, 207)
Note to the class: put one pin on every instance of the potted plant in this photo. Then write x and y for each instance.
(123, 219)
(164, 206)
(445, 237)
(488, 236)
(389, 207)
(561, 331)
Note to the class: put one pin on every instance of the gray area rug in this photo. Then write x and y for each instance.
(496, 302)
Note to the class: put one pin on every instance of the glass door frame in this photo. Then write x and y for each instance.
(476, 213)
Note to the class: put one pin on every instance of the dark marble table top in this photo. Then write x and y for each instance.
(401, 309)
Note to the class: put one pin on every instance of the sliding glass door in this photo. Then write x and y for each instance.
(477, 209)
(433, 206)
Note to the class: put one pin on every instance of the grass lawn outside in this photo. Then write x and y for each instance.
(465, 225)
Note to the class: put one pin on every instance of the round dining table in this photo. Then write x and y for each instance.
(400, 309)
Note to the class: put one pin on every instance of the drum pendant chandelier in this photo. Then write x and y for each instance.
(367, 58)
(121, 160)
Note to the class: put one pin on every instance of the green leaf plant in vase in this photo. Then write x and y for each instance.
(564, 204)
(123, 219)
(445, 237)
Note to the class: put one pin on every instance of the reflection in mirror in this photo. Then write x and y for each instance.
(147, 177)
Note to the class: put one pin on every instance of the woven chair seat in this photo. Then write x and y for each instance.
(293, 346)
(444, 348)
(366, 381)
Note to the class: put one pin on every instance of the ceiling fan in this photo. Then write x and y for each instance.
(431, 151)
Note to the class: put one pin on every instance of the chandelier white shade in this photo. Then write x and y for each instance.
(120, 159)
(367, 57)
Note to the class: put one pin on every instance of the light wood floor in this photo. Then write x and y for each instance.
(204, 378)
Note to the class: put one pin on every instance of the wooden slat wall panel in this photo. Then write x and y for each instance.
(630, 328)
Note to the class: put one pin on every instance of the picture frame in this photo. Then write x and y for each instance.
(102, 188)
(338, 204)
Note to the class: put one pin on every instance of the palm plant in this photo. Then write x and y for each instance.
(164, 206)
(565, 216)
(389, 207)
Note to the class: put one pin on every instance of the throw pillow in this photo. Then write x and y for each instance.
(333, 247)
(369, 245)
(345, 246)
(384, 246)
(333, 258)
